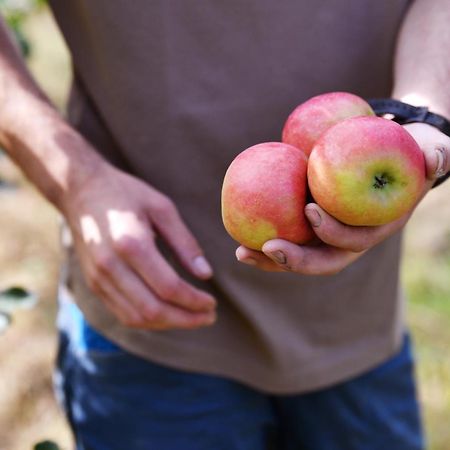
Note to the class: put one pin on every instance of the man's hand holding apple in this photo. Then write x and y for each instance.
(340, 244)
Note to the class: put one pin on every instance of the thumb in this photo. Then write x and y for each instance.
(435, 146)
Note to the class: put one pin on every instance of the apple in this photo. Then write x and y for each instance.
(366, 171)
(264, 195)
(312, 118)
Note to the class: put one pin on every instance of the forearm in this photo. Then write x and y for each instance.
(422, 62)
(51, 154)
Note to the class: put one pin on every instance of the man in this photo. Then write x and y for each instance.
(165, 94)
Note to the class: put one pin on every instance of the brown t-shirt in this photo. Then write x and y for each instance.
(172, 91)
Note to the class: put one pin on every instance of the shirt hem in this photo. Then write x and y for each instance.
(319, 376)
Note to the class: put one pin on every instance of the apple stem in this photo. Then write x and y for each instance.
(380, 181)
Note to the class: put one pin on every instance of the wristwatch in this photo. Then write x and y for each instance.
(403, 113)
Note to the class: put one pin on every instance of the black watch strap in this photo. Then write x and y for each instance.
(404, 113)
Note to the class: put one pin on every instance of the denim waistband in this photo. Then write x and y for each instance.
(82, 335)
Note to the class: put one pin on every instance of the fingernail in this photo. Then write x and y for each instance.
(249, 261)
(313, 216)
(212, 304)
(278, 256)
(202, 267)
(211, 320)
(441, 155)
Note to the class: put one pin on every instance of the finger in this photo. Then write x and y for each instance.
(118, 305)
(257, 259)
(309, 260)
(435, 146)
(171, 227)
(355, 239)
(96, 275)
(109, 276)
(170, 317)
(134, 307)
(144, 258)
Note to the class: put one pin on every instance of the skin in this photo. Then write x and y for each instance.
(114, 217)
(422, 69)
(341, 244)
(60, 162)
(320, 113)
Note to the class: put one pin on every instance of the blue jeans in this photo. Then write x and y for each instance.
(117, 401)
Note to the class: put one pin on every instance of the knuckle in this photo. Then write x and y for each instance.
(170, 290)
(131, 322)
(152, 314)
(127, 246)
(104, 263)
(164, 207)
(94, 283)
(296, 264)
(135, 320)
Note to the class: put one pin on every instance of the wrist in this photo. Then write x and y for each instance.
(436, 126)
(53, 155)
(435, 104)
(76, 164)
(404, 113)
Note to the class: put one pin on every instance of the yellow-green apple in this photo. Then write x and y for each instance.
(312, 118)
(366, 171)
(264, 195)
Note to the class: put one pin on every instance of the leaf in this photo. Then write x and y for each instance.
(23, 42)
(46, 445)
(5, 321)
(16, 297)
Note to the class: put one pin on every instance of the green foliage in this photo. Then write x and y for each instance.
(16, 297)
(11, 299)
(426, 279)
(46, 445)
(15, 13)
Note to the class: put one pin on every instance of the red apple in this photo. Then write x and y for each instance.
(366, 171)
(312, 118)
(264, 195)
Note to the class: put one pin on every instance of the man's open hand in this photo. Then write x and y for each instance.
(339, 245)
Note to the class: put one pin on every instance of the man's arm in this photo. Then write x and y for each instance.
(113, 216)
(422, 77)
(422, 60)
(31, 131)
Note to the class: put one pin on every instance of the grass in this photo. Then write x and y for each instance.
(426, 276)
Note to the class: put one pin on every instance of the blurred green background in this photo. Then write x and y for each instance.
(29, 257)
